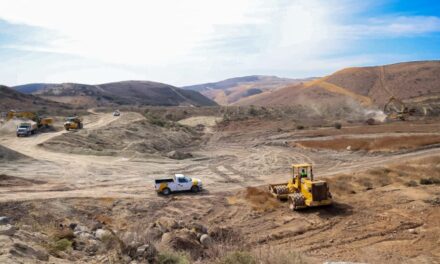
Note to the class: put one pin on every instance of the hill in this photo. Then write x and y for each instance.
(411, 82)
(232, 90)
(11, 99)
(118, 93)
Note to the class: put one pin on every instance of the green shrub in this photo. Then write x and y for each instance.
(238, 257)
(169, 257)
(59, 245)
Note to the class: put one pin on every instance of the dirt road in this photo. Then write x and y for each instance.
(222, 165)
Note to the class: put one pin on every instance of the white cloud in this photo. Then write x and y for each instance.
(185, 42)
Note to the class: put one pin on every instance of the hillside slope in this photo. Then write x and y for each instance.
(411, 82)
(13, 100)
(118, 93)
(232, 90)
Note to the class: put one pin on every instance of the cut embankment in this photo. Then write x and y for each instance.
(7, 154)
(379, 144)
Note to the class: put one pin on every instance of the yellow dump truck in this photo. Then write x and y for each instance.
(302, 190)
(73, 122)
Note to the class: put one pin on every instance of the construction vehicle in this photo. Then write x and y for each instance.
(27, 129)
(395, 109)
(73, 122)
(40, 121)
(178, 183)
(302, 190)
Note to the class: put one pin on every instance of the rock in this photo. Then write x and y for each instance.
(84, 235)
(412, 231)
(349, 148)
(126, 259)
(81, 228)
(22, 250)
(199, 228)
(166, 224)
(7, 230)
(4, 220)
(147, 252)
(182, 240)
(206, 240)
(102, 233)
(175, 154)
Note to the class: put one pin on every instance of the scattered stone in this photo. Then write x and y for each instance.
(206, 240)
(7, 230)
(175, 154)
(4, 220)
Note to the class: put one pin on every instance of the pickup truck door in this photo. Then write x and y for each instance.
(183, 184)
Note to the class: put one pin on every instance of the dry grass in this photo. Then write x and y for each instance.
(382, 144)
(410, 173)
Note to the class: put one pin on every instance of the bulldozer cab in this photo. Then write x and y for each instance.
(302, 171)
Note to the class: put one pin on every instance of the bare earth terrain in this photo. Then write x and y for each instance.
(384, 179)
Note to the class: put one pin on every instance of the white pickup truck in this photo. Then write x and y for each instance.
(178, 183)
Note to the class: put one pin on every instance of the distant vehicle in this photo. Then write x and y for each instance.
(73, 122)
(178, 183)
(27, 129)
(116, 113)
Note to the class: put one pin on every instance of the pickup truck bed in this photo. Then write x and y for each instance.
(163, 180)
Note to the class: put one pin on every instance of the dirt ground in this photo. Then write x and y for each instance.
(381, 211)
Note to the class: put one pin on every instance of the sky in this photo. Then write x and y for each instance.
(184, 42)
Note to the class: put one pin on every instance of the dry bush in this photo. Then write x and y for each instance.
(238, 257)
(170, 257)
(273, 256)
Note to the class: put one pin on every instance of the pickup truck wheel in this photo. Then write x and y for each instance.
(195, 189)
(166, 191)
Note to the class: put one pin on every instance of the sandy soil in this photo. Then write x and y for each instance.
(373, 220)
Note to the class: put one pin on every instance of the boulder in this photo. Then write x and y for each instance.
(7, 230)
(102, 233)
(179, 155)
(206, 240)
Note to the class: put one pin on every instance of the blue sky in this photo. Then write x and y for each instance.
(194, 41)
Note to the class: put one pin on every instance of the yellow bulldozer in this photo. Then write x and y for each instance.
(41, 121)
(302, 190)
(73, 122)
(396, 109)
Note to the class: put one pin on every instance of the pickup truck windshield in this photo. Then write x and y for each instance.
(23, 127)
